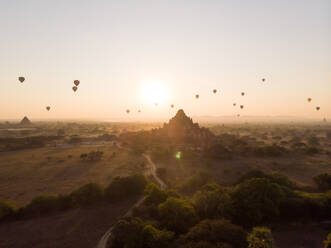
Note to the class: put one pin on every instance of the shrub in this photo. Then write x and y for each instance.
(177, 215)
(255, 201)
(87, 195)
(323, 181)
(327, 242)
(216, 231)
(204, 244)
(269, 150)
(152, 237)
(127, 233)
(260, 237)
(311, 150)
(123, 187)
(275, 177)
(306, 206)
(92, 156)
(6, 209)
(83, 156)
(218, 151)
(195, 182)
(134, 233)
(212, 201)
(154, 195)
(41, 205)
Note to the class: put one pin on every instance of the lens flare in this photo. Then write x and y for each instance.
(178, 155)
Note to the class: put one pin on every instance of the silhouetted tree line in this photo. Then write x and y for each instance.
(120, 188)
(14, 144)
(92, 156)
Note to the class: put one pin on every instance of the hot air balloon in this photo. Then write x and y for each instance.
(242, 93)
(197, 96)
(234, 104)
(76, 82)
(238, 115)
(241, 106)
(318, 108)
(139, 110)
(156, 104)
(172, 106)
(309, 99)
(48, 108)
(128, 111)
(214, 91)
(74, 88)
(21, 79)
(263, 79)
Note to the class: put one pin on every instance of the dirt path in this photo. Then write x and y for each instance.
(152, 171)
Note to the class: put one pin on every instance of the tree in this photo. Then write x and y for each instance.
(87, 195)
(124, 187)
(216, 232)
(154, 195)
(195, 182)
(153, 237)
(204, 244)
(327, 242)
(42, 205)
(260, 237)
(323, 181)
(127, 233)
(177, 215)
(6, 209)
(255, 201)
(212, 201)
(134, 233)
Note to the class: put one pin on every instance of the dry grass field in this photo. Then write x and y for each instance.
(57, 170)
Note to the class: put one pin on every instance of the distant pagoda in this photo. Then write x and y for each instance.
(25, 121)
(182, 129)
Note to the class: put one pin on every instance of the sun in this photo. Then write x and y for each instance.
(154, 92)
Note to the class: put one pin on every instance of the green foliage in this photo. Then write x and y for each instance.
(92, 156)
(323, 181)
(302, 205)
(260, 237)
(212, 201)
(256, 200)
(6, 209)
(177, 215)
(163, 153)
(215, 232)
(311, 150)
(274, 177)
(134, 233)
(269, 150)
(127, 233)
(154, 195)
(87, 195)
(327, 242)
(218, 151)
(42, 205)
(204, 244)
(192, 184)
(152, 237)
(124, 187)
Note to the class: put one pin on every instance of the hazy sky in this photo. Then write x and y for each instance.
(116, 47)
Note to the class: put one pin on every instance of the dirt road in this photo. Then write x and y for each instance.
(152, 171)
